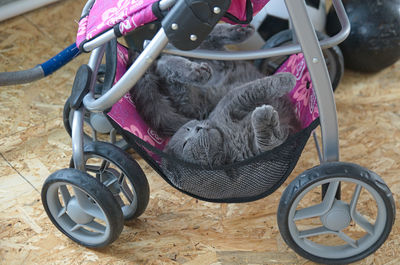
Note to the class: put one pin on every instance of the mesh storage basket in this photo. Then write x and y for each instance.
(243, 181)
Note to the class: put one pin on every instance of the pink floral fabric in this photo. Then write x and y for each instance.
(105, 14)
(124, 112)
(303, 94)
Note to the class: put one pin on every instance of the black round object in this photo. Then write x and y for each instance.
(374, 40)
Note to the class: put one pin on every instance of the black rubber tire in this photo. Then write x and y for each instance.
(330, 170)
(97, 191)
(285, 37)
(126, 164)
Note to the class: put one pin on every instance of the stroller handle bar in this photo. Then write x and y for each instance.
(41, 70)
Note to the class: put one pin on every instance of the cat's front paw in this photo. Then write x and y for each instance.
(265, 120)
(266, 115)
(267, 130)
(200, 73)
(239, 33)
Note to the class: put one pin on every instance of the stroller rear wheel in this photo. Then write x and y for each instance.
(120, 174)
(82, 208)
(336, 231)
(333, 57)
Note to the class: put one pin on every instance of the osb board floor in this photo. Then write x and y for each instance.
(175, 229)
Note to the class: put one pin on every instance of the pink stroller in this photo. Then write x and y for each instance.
(104, 186)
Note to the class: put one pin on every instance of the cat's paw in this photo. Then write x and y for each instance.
(239, 33)
(200, 72)
(265, 115)
(267, 129)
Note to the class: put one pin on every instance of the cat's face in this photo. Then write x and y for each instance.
(199, 142)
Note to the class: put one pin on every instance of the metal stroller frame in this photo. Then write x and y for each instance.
(308, 44)
(328, 153)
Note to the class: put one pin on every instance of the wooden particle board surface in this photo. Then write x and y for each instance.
(175, 228)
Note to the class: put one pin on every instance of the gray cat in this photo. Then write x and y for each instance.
(176, 90)
(250, 119)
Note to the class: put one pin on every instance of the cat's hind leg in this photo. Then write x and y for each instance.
(267, 129)
(240, 101)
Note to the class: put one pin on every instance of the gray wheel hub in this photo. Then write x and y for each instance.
(338, 217)
(76, 213)
(110, 179)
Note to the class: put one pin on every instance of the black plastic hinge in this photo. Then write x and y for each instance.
(190, 21)
(81, 86)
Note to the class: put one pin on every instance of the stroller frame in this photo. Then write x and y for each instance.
(94, 200)
(308, 44)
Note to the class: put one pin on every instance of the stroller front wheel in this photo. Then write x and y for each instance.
(82, 208)
(336, 230)
(120, 174)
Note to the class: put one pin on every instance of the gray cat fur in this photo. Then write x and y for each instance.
(176, 90)
(253, 118)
